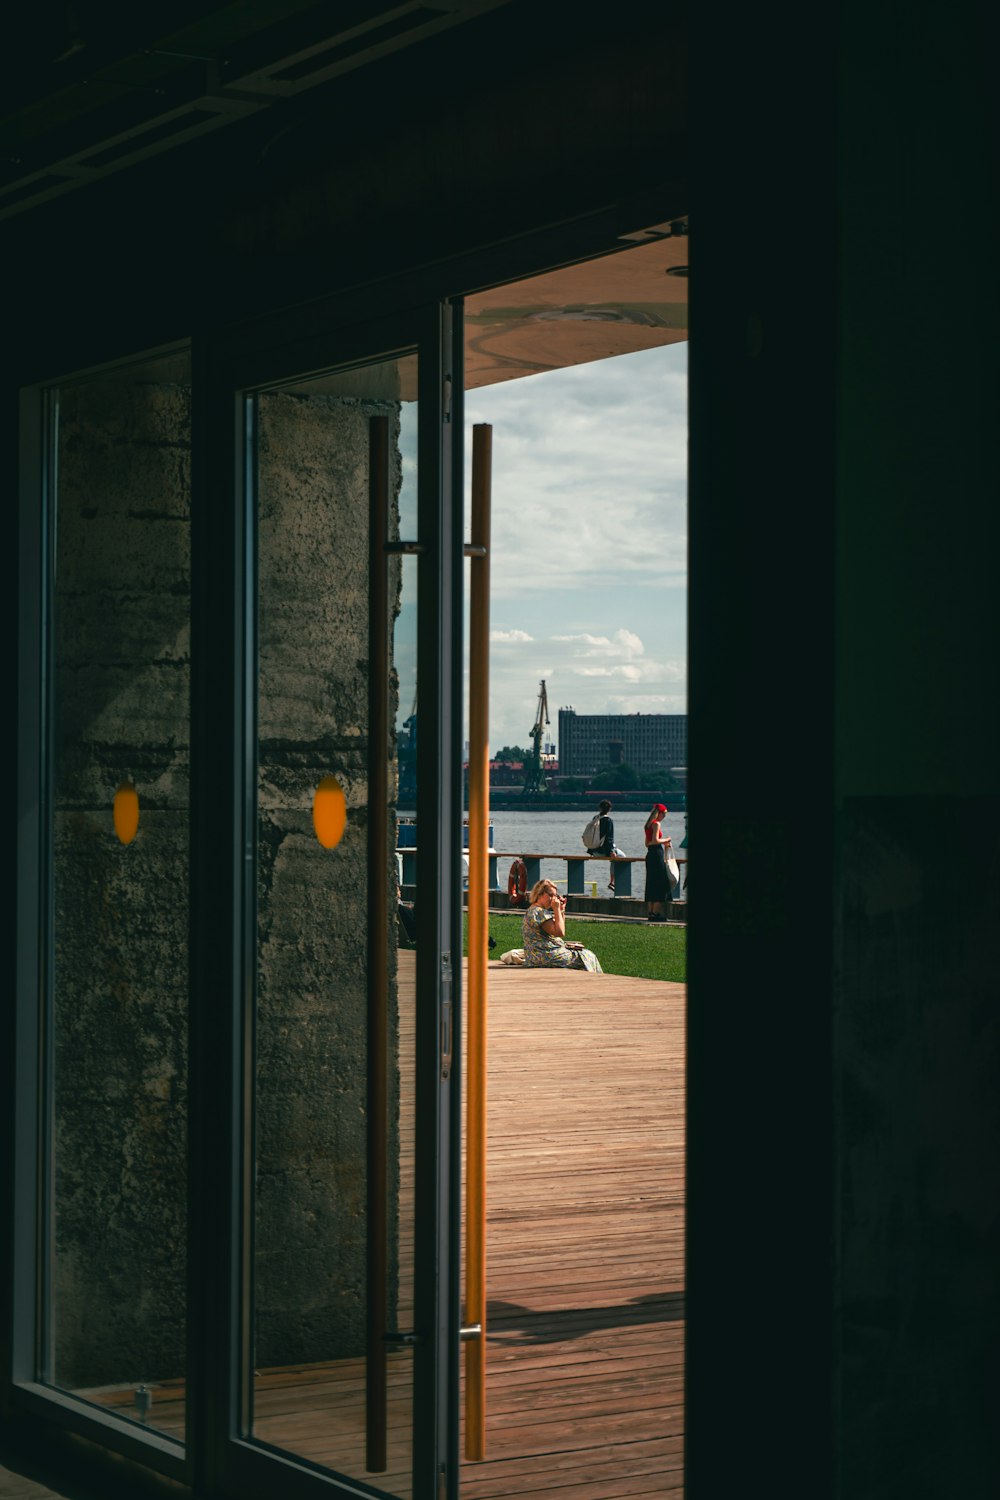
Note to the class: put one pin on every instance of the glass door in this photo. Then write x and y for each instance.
(347, 918)
(104, 879)
(334, 469)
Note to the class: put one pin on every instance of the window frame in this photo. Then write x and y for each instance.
(223, 700)
(29, 1397)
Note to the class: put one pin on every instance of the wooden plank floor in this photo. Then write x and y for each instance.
(586, 1274)
(585, 1214)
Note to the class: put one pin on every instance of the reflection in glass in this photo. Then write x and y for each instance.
(316, 947)
(329, 812)
(118, 626)
(125, 812)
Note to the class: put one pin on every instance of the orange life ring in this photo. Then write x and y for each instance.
(517, 883)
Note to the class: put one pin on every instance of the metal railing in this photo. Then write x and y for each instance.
(577, 867)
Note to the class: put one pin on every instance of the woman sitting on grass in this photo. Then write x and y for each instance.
(544, 927)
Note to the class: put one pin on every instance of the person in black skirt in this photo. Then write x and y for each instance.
(657, 878)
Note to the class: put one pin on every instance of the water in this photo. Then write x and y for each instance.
(542, 832)
(519, 833)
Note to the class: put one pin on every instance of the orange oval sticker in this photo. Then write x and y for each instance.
(329, 812)
(126, 812)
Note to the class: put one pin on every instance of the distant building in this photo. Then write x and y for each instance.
(588, 743)
(507, 773)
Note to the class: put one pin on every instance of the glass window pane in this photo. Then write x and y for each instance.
(318, 1235)
(119, 558)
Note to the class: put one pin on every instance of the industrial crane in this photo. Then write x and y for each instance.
(534, 781)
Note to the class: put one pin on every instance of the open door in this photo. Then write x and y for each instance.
(574, 1284)
(344, 1344)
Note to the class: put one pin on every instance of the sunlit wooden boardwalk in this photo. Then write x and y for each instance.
(586, 1274)
(585, 1214)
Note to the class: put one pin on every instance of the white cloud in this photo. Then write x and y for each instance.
(594, 674)
(647, 671)
(589, 545)
(647, 703)
(589, 474)
(622, 643)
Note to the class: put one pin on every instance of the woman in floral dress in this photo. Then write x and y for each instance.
(544, 927)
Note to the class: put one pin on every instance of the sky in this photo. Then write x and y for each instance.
(589, 544)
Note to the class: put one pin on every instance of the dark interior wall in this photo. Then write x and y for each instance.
(917, 471)
(917, 770)
(760, 1163)
(842, 1030)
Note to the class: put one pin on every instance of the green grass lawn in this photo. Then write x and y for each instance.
(648, 951)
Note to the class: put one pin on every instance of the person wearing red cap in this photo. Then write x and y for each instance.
(657, 879)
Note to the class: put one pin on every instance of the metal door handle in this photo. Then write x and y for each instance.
(479, 817)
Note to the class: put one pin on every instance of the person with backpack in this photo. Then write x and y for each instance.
(599, 838)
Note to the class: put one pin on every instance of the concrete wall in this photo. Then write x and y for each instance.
(313, 927)
(120, 937)
(120, 976)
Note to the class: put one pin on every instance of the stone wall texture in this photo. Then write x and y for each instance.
(312, 903)
(120, 962)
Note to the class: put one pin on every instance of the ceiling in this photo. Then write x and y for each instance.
(103, 84)
(632, 299)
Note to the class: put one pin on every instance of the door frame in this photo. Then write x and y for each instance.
(422, 308)
(223, 735)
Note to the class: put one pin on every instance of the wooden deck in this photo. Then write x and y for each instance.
(585, 1214)
(586, 1274)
